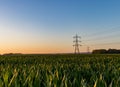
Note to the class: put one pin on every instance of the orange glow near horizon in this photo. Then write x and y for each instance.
(37, 48)
(44, 50)
(31, 46)
(33, 49)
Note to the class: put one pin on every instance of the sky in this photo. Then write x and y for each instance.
(48, 26)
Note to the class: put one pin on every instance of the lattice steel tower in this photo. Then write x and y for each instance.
(76, 43)
(88, 49)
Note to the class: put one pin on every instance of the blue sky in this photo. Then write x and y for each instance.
(47, 26)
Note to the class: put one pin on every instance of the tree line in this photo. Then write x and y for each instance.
(104, 51)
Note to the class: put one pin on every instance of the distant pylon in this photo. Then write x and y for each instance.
(76, 43)
(88, 49)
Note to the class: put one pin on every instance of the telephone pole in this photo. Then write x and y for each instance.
(76, 43)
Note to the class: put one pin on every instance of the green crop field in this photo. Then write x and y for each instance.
(60, 70)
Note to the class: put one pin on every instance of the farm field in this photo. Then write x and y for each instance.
(60, 70)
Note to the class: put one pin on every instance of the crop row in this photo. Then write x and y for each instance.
(60, 71)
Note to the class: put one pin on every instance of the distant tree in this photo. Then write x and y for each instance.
(12, 54)
(99, 51)
(104, 51)
(113, 51)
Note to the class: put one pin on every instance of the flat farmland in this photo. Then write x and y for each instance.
(60, 70)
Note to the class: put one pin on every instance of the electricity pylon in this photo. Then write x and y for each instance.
(76, 43)
(88, 49)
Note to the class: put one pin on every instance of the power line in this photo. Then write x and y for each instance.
(105, 43)
(100, 44)
(103, 37)
(112, 30)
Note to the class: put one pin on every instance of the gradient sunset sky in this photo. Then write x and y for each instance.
(47, 26)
